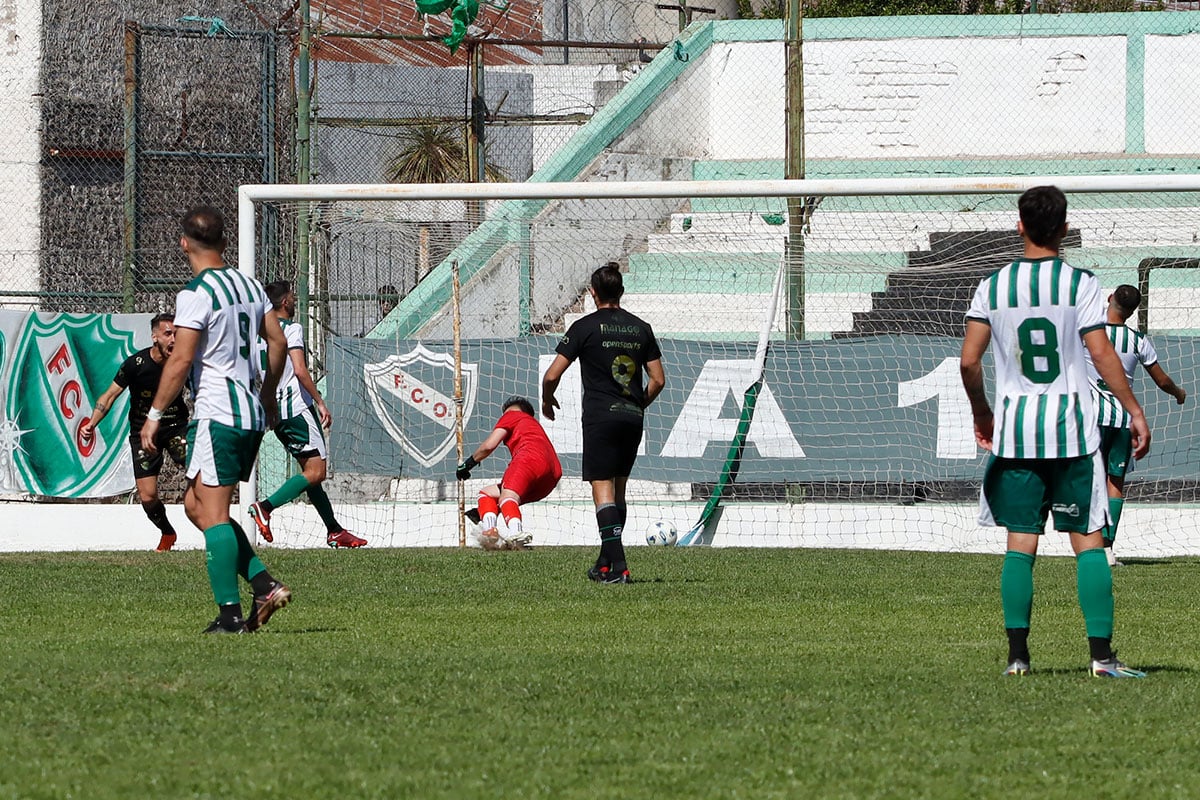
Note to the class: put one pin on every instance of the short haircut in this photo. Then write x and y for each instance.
(159, 318)
(276, 291)
(388, 292)
(519, 402)
(205, 226)
(608, 284)
(1043, 212)
(1128, 298)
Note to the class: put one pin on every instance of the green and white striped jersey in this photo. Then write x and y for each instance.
(1038, 312)
(292, 397)
(227, 308)
(1133, 348)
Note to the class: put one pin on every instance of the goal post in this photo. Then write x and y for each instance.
(857, 435)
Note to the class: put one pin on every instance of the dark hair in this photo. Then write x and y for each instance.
(1043, 212)
(1128, 298)
(205, 226)
(163, 317)
(276, 291)
(388, 292)
(519, 402)
(608, 284)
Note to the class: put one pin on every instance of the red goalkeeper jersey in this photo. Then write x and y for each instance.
(528, 442)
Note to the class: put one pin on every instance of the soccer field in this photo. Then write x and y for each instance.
(720, 673)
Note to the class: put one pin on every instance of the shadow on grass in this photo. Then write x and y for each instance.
(1150, 669)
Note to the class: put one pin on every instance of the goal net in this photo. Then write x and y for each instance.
(810, 333)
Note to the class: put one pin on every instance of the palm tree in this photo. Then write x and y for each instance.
(434, 153)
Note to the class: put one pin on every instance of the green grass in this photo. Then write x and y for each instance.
(722, 673)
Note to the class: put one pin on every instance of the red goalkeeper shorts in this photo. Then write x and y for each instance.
(531, 480)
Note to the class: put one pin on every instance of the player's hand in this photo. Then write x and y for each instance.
(86, 430)
(464, 469)
(983, 430)
(270, 409)
(1181, 396)
(324, 415)
(1140, 432)
(549, 403)
(149, 432)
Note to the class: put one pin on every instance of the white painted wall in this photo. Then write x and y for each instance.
(928, 98)
(1172, 94)
(20, 113)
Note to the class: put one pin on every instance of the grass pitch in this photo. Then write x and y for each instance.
(461, 674)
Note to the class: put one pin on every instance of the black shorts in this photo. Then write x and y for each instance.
(610, 448)
(171, 440)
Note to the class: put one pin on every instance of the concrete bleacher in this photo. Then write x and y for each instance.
(708, 271)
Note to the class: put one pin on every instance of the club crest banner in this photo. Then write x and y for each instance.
(879, 409)
(53, 367)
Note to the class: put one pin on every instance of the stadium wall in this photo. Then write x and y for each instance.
(20, 108)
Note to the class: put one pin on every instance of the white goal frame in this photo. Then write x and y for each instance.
(850, 516)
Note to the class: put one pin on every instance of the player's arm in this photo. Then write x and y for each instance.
(300, 365)
(970, 365)
(494, 439)
(1163, 381)
(174, 373)
(104, 403)
(657, 380)
(277, 349)
(550, 383)
(1108, 364)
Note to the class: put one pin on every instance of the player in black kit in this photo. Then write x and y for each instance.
(140, 374)
(613, 347)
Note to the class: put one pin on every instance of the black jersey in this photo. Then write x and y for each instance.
(613, 348)
(140, 374)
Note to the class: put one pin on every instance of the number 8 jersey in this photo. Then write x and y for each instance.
(227, 308)
(1038, 312)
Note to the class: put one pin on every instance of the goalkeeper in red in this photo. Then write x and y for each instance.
(531, 475)
(1045, 443)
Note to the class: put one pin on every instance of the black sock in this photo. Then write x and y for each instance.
(231, 614)
(262, 582)
(608, 520)
(1101, 648)
(157, 513)
(1018, 644)
(266, 506)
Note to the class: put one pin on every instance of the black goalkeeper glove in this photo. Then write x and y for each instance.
(464, 469)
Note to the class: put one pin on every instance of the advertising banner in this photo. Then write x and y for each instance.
(878, 409)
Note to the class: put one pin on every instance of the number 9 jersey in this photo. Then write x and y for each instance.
(227, 308)
(1038, 312)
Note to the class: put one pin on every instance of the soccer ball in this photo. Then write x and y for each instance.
(662, 532)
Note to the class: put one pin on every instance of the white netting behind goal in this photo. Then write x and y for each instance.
(861, 434)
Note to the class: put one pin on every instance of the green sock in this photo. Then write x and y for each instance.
(320, 501)
(1094, 578)
(1115, 504)
(1016, 589)
(248, 564)
(292, 488)
(221, 551)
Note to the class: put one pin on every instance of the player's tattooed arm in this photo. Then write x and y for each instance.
(103, 404)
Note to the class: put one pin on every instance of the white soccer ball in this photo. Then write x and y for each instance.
(662, 533)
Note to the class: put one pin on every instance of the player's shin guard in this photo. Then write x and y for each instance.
(1094, 580)
(292, 488)
(157, 514)
(512, 516)
(1016, 589)
(1115, 504)
(320, 501)
(221, 553)
(248, 564)
(489, 510)
(608, 520)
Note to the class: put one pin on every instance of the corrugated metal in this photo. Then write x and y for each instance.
(522, 20)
